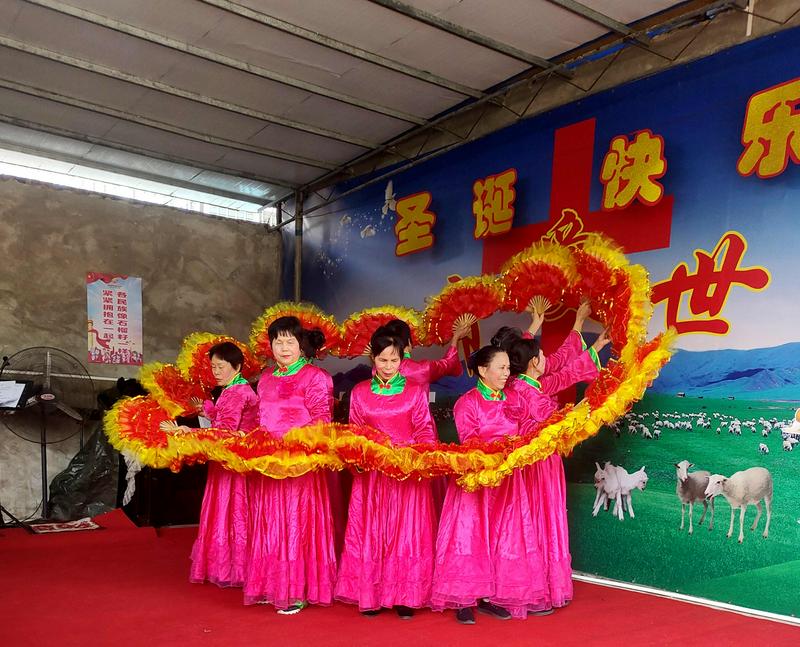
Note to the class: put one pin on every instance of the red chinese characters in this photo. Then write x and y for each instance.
(771, 131)
(414, 227)
(493, 204)
(708, 286)
(630, 170)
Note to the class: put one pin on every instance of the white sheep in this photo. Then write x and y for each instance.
(763, 448)
(692, 487)
(740, 490)
(788, 445)
(628, 483)
(607, 484)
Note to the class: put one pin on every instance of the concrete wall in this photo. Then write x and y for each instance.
(198, 274)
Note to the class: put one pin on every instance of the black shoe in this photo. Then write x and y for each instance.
(484, 606)
(465, 616)
(542, 612)
(371, 613)
(405, 613)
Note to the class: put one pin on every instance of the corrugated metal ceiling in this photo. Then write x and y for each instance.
(256, 98)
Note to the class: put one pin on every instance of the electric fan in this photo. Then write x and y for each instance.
(61, 397)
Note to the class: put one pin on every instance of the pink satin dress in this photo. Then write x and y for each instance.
(220, 550)
(291, 553)
(424, 372)
(546, 478)
(389, 542)
(488, 544)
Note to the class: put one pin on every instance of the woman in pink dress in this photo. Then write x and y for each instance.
(219, 552)
(538, 384)
(291, 560)
(487, 551)
(387, 559)
(426, 371)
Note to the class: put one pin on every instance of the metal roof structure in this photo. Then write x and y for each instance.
(250, 100)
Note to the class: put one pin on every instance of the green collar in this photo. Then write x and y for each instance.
(406, 355)
(237, 379)
(531, 381)
(291, 369)
(490, 394)
(391, 387)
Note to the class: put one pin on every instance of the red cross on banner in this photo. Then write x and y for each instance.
(637, 228)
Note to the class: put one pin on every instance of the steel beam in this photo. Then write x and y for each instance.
(221, 59)
(124, 170)
(159, 86)
(601, 19)
(465, 33)
(98, 141)
(160, 125)
(339, 46)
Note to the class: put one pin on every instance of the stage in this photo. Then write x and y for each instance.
(124, 585)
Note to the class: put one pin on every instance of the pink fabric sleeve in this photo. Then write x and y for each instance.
(581, 369)
(356, 416)
(318, 397)
(423, 430)
(448, 365)
(208, 409)
(229, 408)
(467, 417)
(570, 348)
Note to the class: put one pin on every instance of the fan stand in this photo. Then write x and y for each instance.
(15, 523)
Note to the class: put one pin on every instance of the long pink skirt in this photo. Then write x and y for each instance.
(290, 554)
(464, 570)
(220, 550)
(518, 552)
(388, 547)
(551, 489)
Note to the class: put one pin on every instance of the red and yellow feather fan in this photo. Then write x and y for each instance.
(358, 328)
(310, 317)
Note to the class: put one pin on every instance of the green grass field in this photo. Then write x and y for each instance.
(651, 549)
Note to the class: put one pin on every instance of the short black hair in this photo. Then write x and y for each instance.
(506, 336)
(521, 353)
(400, 329)
(483, 357)
(229, 352)
(311, 342)
(380, 341)
(290, 325)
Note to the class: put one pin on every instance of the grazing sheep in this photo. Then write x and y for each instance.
(646, 434)
(692, 487)
(788, 445)
(657, 434)
(763, 448)
(740, 490)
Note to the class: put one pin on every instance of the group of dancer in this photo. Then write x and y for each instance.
(503, 551)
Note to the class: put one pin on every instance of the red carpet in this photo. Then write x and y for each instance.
(127, 586)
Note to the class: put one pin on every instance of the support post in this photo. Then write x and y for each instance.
(298, 246)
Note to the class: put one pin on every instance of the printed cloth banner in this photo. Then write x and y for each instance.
(114, 307)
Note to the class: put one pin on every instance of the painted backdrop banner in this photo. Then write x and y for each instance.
(696, 173)
(114, 307)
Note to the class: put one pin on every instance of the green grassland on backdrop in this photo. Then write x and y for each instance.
(651, 549)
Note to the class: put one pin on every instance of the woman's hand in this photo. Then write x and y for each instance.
(196, 403)
(602, 341)
(459, 333)
(537, 319)
(172, 427)
(582, 314)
